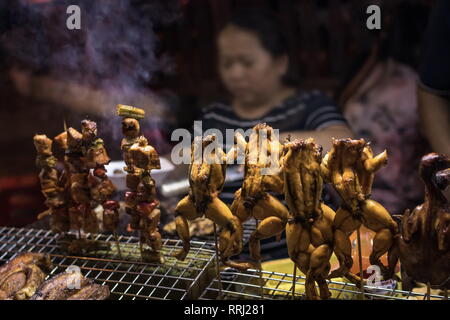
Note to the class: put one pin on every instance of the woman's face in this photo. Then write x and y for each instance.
(248, 71)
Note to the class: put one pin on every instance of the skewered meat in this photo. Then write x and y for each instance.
(101, 188)
(261, 175)
(350, 167)
(20, 277)
(309, 232)
(50, 184)
(61, 286)
(424, 245)
(91, 292)
(206, 179)
(110, 215)
(141, 202)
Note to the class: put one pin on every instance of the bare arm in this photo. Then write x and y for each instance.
(322, 137)
(434, 114)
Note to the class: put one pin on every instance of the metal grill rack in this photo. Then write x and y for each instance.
(247, 227)
(277, 286)
(128, 278)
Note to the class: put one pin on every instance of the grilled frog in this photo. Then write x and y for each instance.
(309, 231)
(262, 174)
(206, 179)
(350, 167)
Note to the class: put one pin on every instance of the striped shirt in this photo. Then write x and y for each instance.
(301, 111)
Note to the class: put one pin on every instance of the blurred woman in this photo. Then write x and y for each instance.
(255, 69)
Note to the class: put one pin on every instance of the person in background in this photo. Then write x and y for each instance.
(434, 85)
(380, 104)
(254, 68)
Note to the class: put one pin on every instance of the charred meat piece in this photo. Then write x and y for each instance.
(91, 292)
(40, 259)
(20, 277)
(12, 283)
(61, 286)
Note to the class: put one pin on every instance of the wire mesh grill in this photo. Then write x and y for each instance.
(250, 285)
(127, 278)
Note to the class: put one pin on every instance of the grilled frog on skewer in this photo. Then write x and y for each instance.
(309, 231)
(206, 179)
(350, 167)
(262, 175)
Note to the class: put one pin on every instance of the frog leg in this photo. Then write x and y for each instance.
(238, 209)
(299, 250)
(231, 237)
(378, 219)
(274, 217)
(319, 268)
(184, 211)
(344, 225)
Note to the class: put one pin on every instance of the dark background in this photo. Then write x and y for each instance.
(163, 50)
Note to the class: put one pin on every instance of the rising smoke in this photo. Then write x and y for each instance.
(114, 58)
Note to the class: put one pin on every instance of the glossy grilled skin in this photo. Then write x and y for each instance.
(20, 277)
(262, 174)
(309, 232)
(350, 167)
(61, 286)
(206, 179)
(424, 244)
(51, 186)
(91, 292)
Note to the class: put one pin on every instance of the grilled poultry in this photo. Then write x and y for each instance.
(206, 179)
(262, 175)
(424, 244)
(52, 188)
(309, 231)
(140, 202)
(350, 167)
(21, 276)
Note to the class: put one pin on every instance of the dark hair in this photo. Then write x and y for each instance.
(269, 32)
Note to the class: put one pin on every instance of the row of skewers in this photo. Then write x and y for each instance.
(296, 170)
(313, 230)
(76, 194)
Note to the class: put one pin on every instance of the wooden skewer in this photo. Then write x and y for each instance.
(445, 294)
(261, 285)
(428, 291)
(294, 279)
(219, 278)
(361, 274)
(116, 237)
(141, 248)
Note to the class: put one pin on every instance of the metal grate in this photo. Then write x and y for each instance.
(278, 286)
(127, 278)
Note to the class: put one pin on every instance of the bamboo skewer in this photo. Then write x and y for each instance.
(361, 274)
(219, 278)
(294, 279)
(261, 285)
(116, 238)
